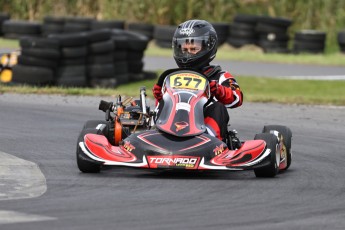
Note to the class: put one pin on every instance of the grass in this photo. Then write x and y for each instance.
(311, 92)
(9, 44)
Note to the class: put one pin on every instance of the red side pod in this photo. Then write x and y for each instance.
(250, 151)
(101, 148)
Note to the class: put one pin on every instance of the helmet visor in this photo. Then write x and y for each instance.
(189, 48)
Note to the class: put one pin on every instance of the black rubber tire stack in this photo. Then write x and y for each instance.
(52, 25)
(309, 41)
(137, 44)
(222, 30)
(72, 66)
(141, 28)
(107, 24)
(77, 24)
(14, 29)
(242, 30)
(273, 34)
(341, 41)
(3, 18)
(38, 61)
(100, 67)
(163, 35)
(120, 54)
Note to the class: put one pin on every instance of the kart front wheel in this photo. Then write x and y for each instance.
(86, 164)
(287, 138)
(271, 169)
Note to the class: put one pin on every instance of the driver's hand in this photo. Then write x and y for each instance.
(157, 92)
(215, 88)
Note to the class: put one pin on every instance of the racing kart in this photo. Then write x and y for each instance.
(174, 136)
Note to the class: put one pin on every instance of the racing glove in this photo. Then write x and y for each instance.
(222, 93)
(157, 92)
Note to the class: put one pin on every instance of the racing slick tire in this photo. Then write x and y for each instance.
(86, 164)
(98, 125)
(271, 169)
(287, 137)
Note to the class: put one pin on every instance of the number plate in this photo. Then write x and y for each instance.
(187, 81)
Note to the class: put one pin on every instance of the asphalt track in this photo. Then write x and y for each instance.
(44, 129)
(260, 69)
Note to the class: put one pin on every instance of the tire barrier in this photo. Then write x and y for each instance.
(141, 28)
(341, 41)
(222, 30)
(273, 34)
(96, 58)
(14, 29)
(3, 17)
(163, 35)
(309, 41)
(242, 31)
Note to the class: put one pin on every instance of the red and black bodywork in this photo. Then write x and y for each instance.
(179, 141)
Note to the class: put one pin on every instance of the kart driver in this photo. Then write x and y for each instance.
(195, 46)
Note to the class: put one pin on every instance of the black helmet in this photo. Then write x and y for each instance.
(198, 33)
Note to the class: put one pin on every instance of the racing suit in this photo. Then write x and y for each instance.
(231, 96)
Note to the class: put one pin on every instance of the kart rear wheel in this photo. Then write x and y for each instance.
(86, 164)
(287, 137)
(270, 170)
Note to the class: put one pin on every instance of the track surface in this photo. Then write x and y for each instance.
(260, 69)
(44, 129)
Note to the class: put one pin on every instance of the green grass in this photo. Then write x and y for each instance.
(9, 44)
(255, 89)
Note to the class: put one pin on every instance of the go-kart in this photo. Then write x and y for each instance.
(174, 136)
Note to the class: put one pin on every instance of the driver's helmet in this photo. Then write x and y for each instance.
(194, 44)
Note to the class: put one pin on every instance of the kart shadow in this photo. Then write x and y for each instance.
(180, 174)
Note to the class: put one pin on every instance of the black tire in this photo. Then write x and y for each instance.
(310, 36)
(72, 61)
(21, 27)
(86, 164)
(110, 24)
(282, 37)
(72, 81)
(51, 29)
(287, 139)
(135, 66)
(105, 58)
(32, 75)
(142, 28)
(98, 35)
(341, 38)
(101, 47)
(135, 55)
(120, 67)
(164, 32)
(101, 125)
(74, 52)
(245, 18)
(53, 54)
(40, 62)
(122, 78)
(70, 40)
(269, 28)
(271, 169)
(101, 71)
(30, 42)
(276, 21)
(54, 20)
(120, 55)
